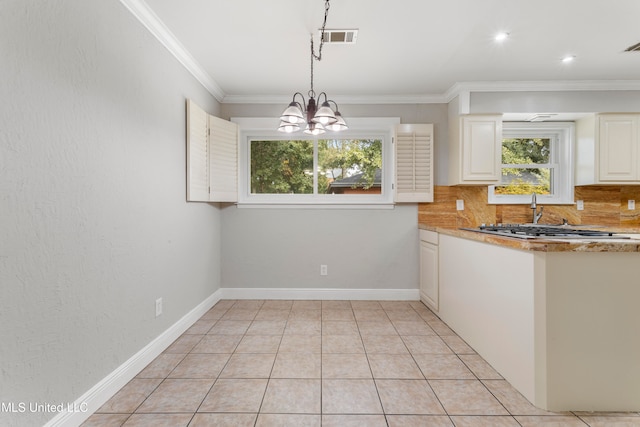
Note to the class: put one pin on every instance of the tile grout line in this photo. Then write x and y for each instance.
(215, 381)
(321, 364)
(375, 384)
(423, 374)
(275, 358)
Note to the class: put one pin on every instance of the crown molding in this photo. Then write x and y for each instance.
(159, 30)
(340, 99)
(463, 89)
(542, 86)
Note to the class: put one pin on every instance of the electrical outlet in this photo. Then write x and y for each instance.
(323, 269)
(459, 205)
(631, 205)
(580, 205)
(158, 307)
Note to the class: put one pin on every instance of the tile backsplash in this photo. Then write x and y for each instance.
(603, 205)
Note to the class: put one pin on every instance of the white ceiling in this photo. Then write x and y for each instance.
(258, 50)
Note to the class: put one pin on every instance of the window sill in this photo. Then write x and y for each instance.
(262, 205)
(539, 203)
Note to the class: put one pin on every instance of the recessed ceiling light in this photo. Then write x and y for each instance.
(569, 58)
(500, 37)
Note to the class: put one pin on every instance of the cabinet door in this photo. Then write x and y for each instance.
(429, 287)
(481, 149)
(618, 147)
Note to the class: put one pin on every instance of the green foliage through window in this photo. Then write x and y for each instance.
(340, 159)
(520, 174)
(282, 167)
(287, 166)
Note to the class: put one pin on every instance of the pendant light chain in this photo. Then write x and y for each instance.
(324, 24)
(312, 93)
(318, 57)
(317, 115)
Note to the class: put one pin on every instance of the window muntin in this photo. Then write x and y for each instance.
(536, 158)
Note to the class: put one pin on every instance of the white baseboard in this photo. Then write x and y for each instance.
(322, 294)
(93, 399)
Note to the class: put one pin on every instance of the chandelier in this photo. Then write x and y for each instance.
(317, 119)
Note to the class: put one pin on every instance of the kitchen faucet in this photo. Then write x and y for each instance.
(534, 207)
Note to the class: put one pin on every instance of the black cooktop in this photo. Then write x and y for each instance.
(531, 231)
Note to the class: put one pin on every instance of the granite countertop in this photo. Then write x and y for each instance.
(548, 245)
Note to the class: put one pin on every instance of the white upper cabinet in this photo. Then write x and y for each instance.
(608, 149)
(212, 157)
(617, 147)
(414, 163)
(475, 149)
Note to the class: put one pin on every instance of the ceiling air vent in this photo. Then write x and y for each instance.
(541, 117)
(340, 36)
(634, 48)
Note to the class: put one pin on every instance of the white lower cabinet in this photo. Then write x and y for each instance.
(560, 327)
(429, 286)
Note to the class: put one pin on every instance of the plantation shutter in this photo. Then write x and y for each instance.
(223, 160)
(197, 153)
(414, 163)
(212, 159)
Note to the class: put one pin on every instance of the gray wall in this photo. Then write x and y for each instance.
(364, 249)
(94, 224)
(283, 248)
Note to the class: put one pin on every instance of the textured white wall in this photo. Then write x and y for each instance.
(93, 220)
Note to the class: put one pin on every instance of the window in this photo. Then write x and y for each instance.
(347, 168)
(536, 158)
(344, 166)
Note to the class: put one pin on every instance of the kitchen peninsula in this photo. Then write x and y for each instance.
(558, 319)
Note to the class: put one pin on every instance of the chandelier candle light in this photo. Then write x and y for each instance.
(317, 119)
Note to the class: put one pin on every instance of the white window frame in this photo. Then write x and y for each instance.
(252, 129)
(562, 135)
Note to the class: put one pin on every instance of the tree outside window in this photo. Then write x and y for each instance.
(526, 166)
(287, 166)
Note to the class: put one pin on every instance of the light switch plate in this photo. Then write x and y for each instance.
(459, 205)
(631, 205)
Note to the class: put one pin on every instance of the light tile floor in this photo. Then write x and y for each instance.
(326, 363)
